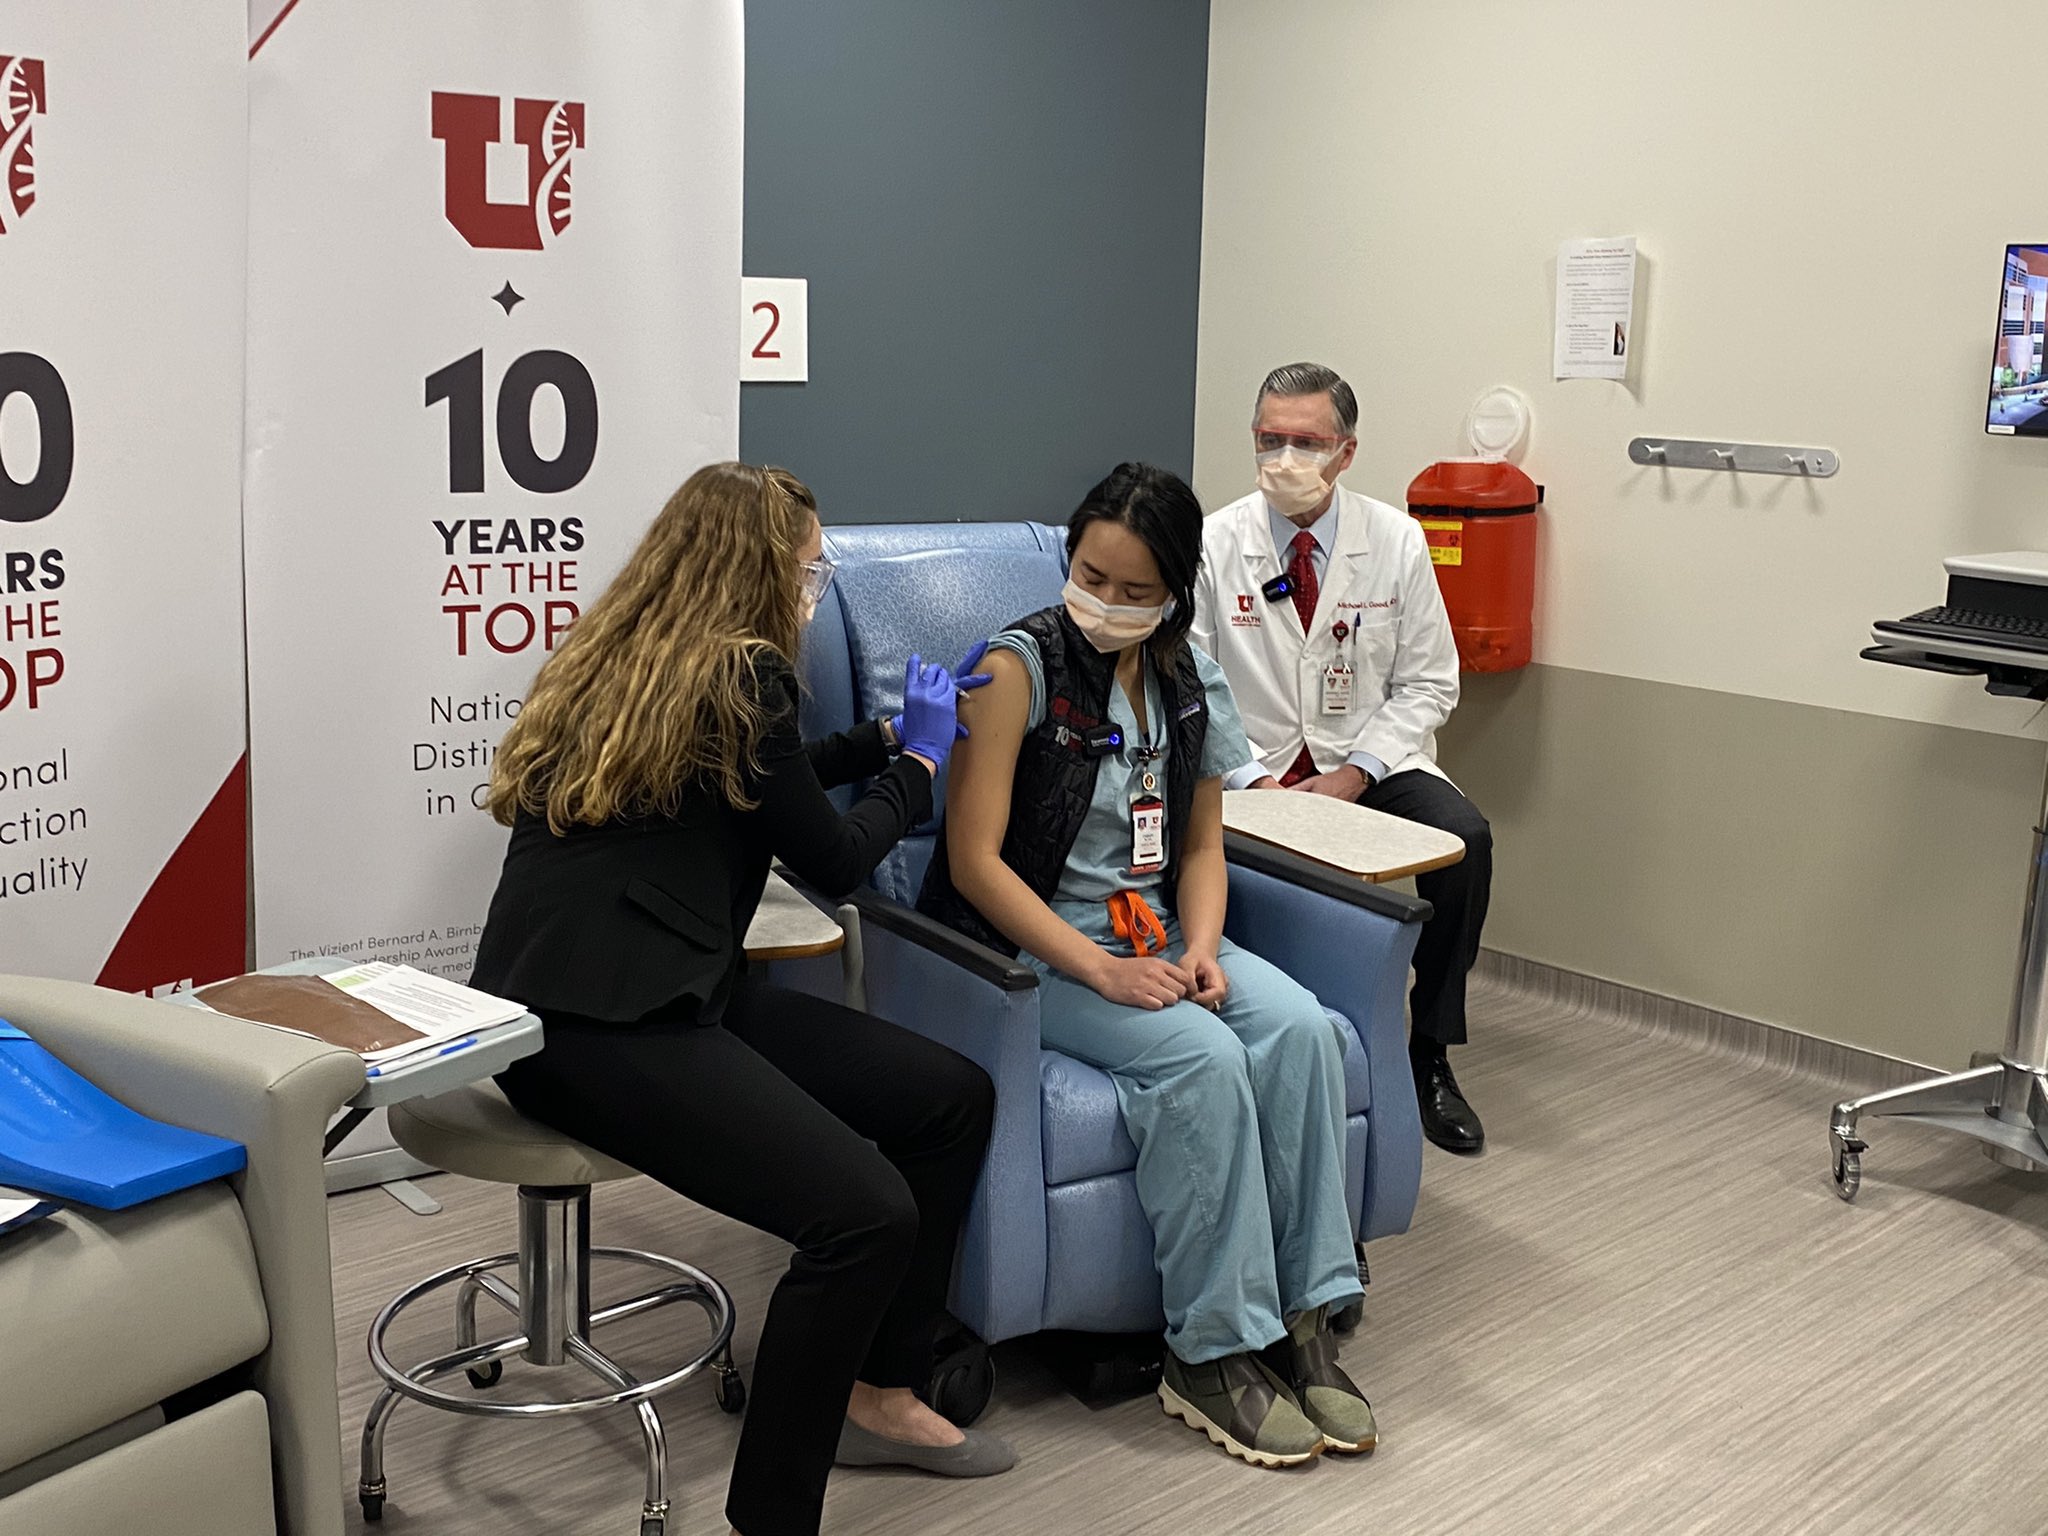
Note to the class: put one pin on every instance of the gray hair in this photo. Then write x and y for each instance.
(1312, 379)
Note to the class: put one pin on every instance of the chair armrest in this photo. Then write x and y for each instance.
(1004, 972)
(1350, 943)
(1250, 853)
(939, 984)
(275, 1093)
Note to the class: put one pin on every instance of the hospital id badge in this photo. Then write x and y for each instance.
(1148, 835)
(1337, 690)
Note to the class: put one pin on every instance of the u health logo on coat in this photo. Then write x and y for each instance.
(22, 101)
(549, 131)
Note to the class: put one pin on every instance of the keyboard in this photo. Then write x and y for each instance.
(1946, 623)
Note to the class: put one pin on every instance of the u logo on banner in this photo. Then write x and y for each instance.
(467, 125)
(22, 99)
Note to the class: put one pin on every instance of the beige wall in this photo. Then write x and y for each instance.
(1699, 789)
(1849, 876)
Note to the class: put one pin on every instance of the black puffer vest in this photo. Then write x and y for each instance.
(1056, 776)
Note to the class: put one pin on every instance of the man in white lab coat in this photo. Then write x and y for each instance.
(1324, 611)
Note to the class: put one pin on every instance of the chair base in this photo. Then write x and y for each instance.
(552, 1304)
(1102, 1368)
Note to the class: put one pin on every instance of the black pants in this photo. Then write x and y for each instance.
(1450, 939)
(855, 1140)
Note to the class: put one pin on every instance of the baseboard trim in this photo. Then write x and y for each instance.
(1748, 1041)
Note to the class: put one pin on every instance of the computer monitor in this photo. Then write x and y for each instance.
(2019, 372)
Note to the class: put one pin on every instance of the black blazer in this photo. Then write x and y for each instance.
(615, 922)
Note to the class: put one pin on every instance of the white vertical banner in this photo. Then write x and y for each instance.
(493, 287)
(123, 188)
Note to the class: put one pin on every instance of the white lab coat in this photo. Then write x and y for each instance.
(1380, 583)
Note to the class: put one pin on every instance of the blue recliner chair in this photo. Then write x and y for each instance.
(1056, 1237)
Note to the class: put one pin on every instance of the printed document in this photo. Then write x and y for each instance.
(430, 1004)
(384, 1013)
(1596, 295)
(18, 1208)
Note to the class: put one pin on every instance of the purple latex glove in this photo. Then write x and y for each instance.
(930, 711)
(964, 678)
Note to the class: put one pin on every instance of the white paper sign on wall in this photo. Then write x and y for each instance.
(775, 330)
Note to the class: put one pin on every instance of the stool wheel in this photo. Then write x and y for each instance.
(373, 1506)
(652, 1525)
(1849, 1169)
(732, 1395)
(482, 1376)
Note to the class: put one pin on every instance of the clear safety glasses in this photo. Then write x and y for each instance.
(1273, 442)
(817, 577)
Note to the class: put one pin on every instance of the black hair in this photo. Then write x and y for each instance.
(1160, 508)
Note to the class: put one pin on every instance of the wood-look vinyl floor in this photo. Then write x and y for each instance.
(1643, 1309)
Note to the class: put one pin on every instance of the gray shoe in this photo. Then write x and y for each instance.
(1240, 1404)
(979, 1455)
(1306, 1359)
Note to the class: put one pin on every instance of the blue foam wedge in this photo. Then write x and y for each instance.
(64, 1138)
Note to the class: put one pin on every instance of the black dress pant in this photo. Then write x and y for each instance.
(1450, 939)
(853, 1139)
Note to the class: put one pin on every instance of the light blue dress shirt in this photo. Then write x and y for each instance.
(1325, 530)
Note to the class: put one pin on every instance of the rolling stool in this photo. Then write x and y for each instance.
(475, 1132)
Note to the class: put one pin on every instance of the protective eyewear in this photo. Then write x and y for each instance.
(1273, 442)
(817, 577)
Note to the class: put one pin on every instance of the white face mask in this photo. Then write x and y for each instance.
(1292, 479)
(1110, 626)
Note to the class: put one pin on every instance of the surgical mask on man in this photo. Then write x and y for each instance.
(1292, 479)
(1111, 626)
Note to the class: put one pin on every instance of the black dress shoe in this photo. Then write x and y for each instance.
(1447, 1119)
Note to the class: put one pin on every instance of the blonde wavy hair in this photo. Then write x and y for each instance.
(650, 690)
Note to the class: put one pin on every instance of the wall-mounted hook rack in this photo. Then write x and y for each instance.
(1749, 458)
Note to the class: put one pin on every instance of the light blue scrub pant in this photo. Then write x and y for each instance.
(1238, 1117)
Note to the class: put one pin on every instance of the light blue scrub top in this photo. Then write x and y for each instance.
(1099, 865)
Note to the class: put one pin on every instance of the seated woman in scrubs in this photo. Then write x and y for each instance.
(1084, 828)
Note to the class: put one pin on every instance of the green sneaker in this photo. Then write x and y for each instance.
(1242, 1406)
(1307, 1361)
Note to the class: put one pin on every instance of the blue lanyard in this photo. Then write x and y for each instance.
(1145, 751)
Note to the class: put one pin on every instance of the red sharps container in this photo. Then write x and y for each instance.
(1479, 516)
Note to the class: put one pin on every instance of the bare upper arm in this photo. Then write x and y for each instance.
(1205, 816)
(978, 786)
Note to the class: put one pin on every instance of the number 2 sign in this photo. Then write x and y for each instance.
(775, 332)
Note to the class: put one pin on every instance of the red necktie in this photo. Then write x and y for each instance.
(1301, 575)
